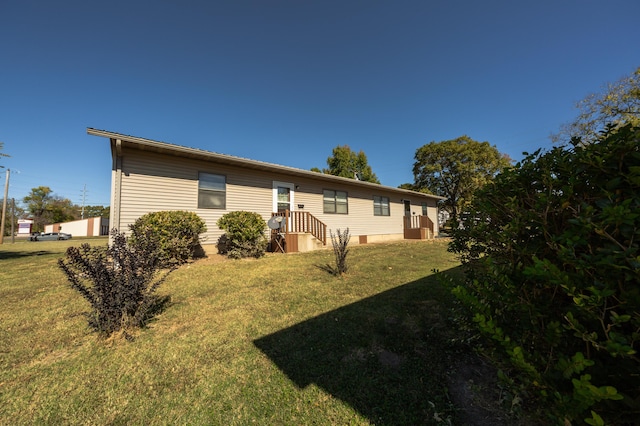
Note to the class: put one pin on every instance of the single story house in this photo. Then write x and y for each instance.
(90, 227)
(302, 207)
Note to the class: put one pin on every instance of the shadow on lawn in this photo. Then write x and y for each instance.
(18, 254)
(387, 356)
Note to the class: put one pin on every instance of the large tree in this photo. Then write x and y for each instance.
(346, 163)
(618, 103)
(46, 207)
(95, 211)
(455, 169)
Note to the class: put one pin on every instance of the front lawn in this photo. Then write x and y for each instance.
(271, 341)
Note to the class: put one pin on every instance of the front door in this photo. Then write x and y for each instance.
(283, 194)
(407, 208)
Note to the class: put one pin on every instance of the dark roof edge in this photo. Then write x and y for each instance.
(248, 162)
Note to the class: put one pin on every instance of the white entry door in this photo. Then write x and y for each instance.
(283, 194)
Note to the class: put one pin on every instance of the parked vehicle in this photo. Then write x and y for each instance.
(49, 236)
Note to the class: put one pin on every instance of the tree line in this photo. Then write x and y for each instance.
(44, 207)
(456, 168)
(453, 169)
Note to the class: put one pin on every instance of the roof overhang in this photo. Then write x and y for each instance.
(199, 154)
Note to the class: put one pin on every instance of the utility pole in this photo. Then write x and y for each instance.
(13, 220)
(4, 206)
(84, 195)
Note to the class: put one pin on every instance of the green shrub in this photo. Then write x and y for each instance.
(552, 249)
(245, 235)
(177, 234)
(118, 281)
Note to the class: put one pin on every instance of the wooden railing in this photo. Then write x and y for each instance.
(304, 222)
(416, 223)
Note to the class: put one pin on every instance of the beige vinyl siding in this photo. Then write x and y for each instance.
(360, 220)
(153, 182)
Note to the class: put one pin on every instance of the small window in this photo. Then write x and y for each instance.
(335, 202)
(212, 191)
(380, 206)
(424, 209)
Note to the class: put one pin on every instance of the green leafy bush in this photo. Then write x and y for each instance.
(552, 249)
(245, 235)
(118, 281)
(177, 235)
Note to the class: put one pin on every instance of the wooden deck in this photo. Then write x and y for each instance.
(418, 227)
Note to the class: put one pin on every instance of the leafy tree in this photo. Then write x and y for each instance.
(618, 103)
(61, 210)
(408, 186)
(455, 169)
(46, 208)
(14, 212)
(96, 211)
(346, 163)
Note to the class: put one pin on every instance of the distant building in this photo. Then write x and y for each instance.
(25, 226)
(91, 227)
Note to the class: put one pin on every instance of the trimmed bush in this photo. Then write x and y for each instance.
(118, 281)
(552, 249)
(177, 235)
(245, 235)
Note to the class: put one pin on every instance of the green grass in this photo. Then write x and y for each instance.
(270, 341)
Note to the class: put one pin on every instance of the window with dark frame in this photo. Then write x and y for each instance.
(335, 202)
(212, 191)
(380, 206)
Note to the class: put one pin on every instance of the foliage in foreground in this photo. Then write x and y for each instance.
(118, 281)
(552, 248)
(175, 233)
(245, 235)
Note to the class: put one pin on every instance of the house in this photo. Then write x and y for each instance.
(150, 176)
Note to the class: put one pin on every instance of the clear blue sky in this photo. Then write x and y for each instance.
(287, 81)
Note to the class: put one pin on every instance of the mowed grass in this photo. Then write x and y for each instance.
(272, 341)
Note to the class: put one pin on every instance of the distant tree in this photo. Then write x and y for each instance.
(408, 186)
(617, 104)
(346, 163)
(455, 169)
(46, 208)
(95, 211)
(61, 210)
(14, 212)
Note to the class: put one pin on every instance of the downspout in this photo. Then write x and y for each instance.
(116, 186)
